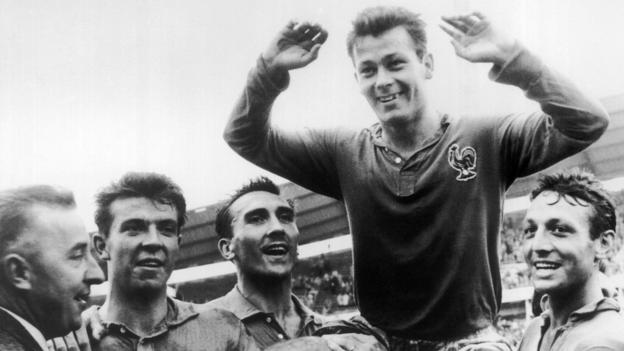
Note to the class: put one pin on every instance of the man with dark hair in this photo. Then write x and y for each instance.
(419, 185)
(257, 232)
(46, 267)
(139, 220)
(568, 229)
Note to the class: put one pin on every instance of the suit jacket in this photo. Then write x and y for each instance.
(13, 336)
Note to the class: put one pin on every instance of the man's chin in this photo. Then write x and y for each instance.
(270, 275)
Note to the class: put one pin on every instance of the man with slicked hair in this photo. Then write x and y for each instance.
(423, 189)
(569, 230)
(258, 234)
(46, 267)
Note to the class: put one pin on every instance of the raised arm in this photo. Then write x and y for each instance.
(304, 157)
(571, 120)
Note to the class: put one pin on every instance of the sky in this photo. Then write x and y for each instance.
(91, 89)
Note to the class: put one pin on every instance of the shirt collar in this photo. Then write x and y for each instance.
(375, 131)
(242, 308)
(585, 312)
(178, 312)
(31, 329)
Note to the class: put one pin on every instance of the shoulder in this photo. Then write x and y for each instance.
(218, 317)
(532, 335)
(13, 336)
(603, 332)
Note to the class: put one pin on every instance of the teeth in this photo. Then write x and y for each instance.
(276, 250)
(544, 265)
(388, 98)
(150, 263)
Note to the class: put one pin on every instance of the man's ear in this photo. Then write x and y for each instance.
(428, 62)
(225, 247)
(99, 244)
(603, 245)
(17, 271)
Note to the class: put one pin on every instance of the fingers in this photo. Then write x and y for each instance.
(458, 23)
(465, 23)
(305, 32)
(454, 33)
(82, 339)
(65, 343)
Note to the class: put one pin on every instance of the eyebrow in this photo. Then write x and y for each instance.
(82, 246)
(256, 212)
(287, 209)
(265, 212)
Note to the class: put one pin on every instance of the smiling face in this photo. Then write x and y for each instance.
(557, 243)
(142, 244)
(265, 237)
(391, 75)
(62, 269)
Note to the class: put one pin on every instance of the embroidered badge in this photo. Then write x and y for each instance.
(464, 161)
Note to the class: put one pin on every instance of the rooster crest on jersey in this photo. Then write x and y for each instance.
(464, 161)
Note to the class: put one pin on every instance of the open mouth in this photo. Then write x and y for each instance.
(276, 249)
(388, 98)
(150, 262)
(83, 298)
(546, 265)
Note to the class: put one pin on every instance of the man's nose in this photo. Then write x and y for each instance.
(541, 242)
(93, 274)
(384, 79)
(152, 237)
(275, 225)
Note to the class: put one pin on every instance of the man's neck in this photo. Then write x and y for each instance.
(405, 137)
(270, 297)
(139, 311)
(563, 304)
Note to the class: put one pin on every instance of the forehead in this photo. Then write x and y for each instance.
(141, 208)
(56, 227)
(393, 41)
(257, 200)
(550, 205)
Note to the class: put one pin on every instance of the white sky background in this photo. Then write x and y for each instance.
(90, 89)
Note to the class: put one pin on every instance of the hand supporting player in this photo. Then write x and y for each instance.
(295, 46)
(351, 342)
(476, 40)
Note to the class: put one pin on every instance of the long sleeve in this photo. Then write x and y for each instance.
(305, 157)
(569, 121)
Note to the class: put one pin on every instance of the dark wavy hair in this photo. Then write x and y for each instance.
(575, 185)
(377, 20)
(153, 186)
(223, 222)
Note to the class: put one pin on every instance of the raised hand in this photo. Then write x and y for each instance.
(477, 40)
(295, 46)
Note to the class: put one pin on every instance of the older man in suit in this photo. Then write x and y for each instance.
(46, 269)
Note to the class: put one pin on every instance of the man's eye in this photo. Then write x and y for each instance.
(529, 233)
(559, 230)
(131, 228)
(367, 71)
(78, 255)
(287, 217)
(256, 219)
(396, 64)
(169, 230)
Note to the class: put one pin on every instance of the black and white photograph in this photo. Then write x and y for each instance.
(311, 175)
